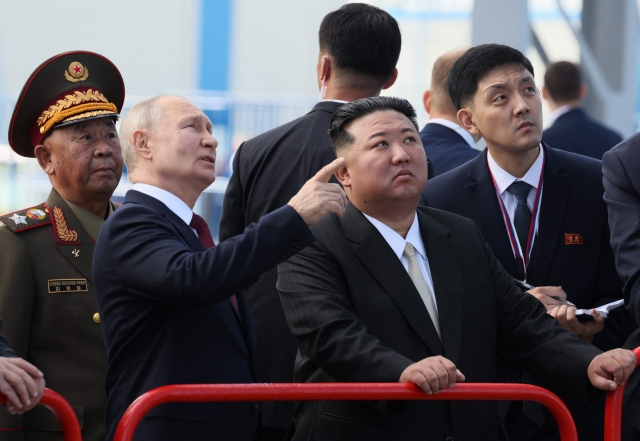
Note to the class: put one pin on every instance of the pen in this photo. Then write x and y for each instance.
(525, 285)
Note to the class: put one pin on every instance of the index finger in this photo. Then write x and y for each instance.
(325, 173)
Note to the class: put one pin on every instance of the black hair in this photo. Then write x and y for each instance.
(345, 115)
(362, 39)
(563, 81)
(475, 64)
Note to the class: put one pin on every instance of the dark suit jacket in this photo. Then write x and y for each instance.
(577, 132)
(268, 171)
(621, 170)
(165, 312)
(571, 203)
(5, 350)
(445, 148)
(357, 317)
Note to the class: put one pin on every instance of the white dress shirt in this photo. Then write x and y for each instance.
(456, 128)
(504, 179)
(173, 202)
(397, 244)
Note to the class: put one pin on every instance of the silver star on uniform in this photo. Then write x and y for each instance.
(18, 219)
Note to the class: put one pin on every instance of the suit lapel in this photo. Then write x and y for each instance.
(72, 240)
(447, 282)
(482, 196)
(555, 192)
(383, 264)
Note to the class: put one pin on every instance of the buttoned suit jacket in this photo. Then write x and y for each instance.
(445, 148)
(268, 171)
(166, 314)
(55, 331)
(621, 179)
(571, 204)
(577, 132)
(357, 317)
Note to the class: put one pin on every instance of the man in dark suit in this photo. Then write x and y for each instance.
(65, 117)
(359, 48)
(571, 129)
(170, 300)
(621, 170)
(20, 382)
(394, 292)
(446, 143)
(553, 234)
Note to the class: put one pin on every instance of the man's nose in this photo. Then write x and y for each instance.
(209, 141)
(399, 154)
(521, 105)
(103, 148)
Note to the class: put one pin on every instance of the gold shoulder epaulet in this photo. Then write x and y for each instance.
(27, 218)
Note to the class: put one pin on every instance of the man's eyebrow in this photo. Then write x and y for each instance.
(406, 129)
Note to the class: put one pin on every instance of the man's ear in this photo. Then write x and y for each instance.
(584, 89)
(325, 68)
(426, 100)
(465, 119)
(392, 79)
(342, 175)
(545, 93)
(43, 155)
(140, 143)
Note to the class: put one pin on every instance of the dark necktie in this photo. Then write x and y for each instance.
(522, 220)
(202, 230)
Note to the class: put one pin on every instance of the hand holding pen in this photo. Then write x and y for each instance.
(549, 296)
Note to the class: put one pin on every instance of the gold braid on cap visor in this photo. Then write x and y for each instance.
(73, 105)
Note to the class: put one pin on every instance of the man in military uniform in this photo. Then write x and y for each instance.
(65, 117)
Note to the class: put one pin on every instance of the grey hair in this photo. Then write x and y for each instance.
(145, 115)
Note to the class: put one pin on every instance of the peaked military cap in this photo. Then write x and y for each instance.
(65, 89)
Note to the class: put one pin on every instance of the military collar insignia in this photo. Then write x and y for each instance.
(27, 218)
(64, 234)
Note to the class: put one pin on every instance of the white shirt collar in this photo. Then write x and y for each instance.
(338, 101)
(397, 242)
(553, 116)
(456, 128)
(504, 179)
(173, 202)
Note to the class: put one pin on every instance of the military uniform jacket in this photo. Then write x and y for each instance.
(48, 305)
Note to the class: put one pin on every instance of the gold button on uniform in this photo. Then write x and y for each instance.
(96, 317)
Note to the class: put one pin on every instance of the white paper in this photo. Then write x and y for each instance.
(604, 309)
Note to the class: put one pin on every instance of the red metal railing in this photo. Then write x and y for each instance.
(340, 391)
(613, 410)
(63, 411)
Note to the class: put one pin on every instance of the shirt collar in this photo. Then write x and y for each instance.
(173, 202)
(504, 179)
(90, 222)
(338, 101)
(456, 128)
(397, 242)
(553, 116)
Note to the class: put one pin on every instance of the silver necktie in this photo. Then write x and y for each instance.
(421, 285)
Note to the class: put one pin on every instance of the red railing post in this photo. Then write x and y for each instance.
(340, 391)
(63, 411)
(613, 410)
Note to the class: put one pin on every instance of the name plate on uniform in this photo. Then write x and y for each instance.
(67, 285)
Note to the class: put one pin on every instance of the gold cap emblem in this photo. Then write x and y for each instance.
(76, 72)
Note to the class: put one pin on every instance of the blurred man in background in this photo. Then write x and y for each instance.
(446, 143)
(571, 129)
(359, 49)
(65, 117)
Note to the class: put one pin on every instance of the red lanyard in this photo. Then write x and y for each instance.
(513, 238)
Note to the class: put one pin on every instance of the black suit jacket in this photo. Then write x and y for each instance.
(268, 171)
(571, 204)
(445, 148)
(165, 312)
(5, 350)
(576, 132)
(357, 317)
(621, 170)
